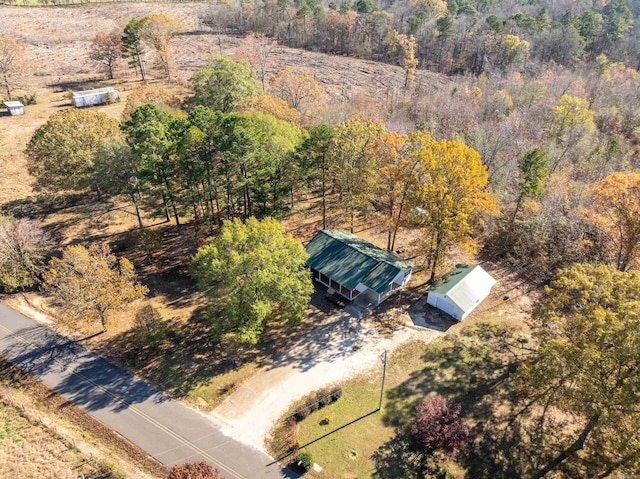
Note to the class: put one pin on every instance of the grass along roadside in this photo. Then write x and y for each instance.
(43, 435)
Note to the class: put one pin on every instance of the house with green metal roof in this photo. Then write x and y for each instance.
(352, 266)
(461, 291)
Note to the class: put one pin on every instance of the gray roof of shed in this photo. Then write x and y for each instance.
(350, 260)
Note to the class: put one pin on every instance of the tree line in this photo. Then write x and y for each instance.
(452, 36)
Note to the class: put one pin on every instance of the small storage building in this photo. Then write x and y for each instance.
(99, 96)
(461, 291)
(14, 107)
(351, 266)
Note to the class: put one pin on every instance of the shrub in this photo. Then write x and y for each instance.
(291, 436)
(301, 413)
(26, 99)
(149, 327)
(323, 398)
(194, 470)
(336, 393)
(304, 461)
(312, 403)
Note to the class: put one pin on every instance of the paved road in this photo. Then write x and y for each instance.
(167, 430)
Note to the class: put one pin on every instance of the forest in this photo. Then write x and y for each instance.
(524, 153)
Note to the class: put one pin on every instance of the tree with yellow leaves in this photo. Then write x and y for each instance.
(393, 178)
(298, 87)
(275, 107)
(587, 366)
(449, 197)
(404, 47)
(572, 119)
(157, 29)
(89, 284)
(616, 212)
(157, 95)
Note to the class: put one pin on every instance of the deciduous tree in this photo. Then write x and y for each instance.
(256, 49)
(616, 211)
(60, 152)
(394, 178)
(276, 107)
(404, 47)
(587, 365)
(12, 62)
(253, 273)
(23, 246)
(157, 30)
(299, 89)
(91, 283)
(450, 196)
(106, 51)
(154, 94)
(223, 85)
(350, 167)
(437, 425)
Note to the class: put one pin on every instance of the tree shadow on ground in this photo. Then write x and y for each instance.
(87, 380)
(472, 368)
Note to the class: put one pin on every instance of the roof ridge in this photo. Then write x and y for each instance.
(355, 248)
(460, 282)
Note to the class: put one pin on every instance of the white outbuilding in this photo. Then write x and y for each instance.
(100, 96)
(461, 291)
(14, 107)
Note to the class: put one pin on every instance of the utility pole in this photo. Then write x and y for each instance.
(383, 358)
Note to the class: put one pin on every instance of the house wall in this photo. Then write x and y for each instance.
(403, 277)
(16, 110)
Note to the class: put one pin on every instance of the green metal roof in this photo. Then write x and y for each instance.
(450, 280)
(350, 260)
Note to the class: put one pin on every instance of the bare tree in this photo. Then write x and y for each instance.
(23, 246)
(12, 61)
(256, 49)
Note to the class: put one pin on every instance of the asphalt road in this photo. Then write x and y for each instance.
(165, 429)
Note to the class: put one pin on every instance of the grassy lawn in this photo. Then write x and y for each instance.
(470, 364)
(347, 452)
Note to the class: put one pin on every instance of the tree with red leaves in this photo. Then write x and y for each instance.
(194, 470)
(438, 427)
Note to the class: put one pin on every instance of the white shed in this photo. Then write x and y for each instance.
(14, 107)
(99, 96)
(461, 291)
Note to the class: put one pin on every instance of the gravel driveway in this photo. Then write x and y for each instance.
(339, 348)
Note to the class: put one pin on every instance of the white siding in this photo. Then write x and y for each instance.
(444, 303)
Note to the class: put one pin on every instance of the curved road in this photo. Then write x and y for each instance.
(165, 429)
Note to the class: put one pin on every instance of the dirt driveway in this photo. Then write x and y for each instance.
(337, 349)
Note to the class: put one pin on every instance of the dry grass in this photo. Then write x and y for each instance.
(42, 436)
